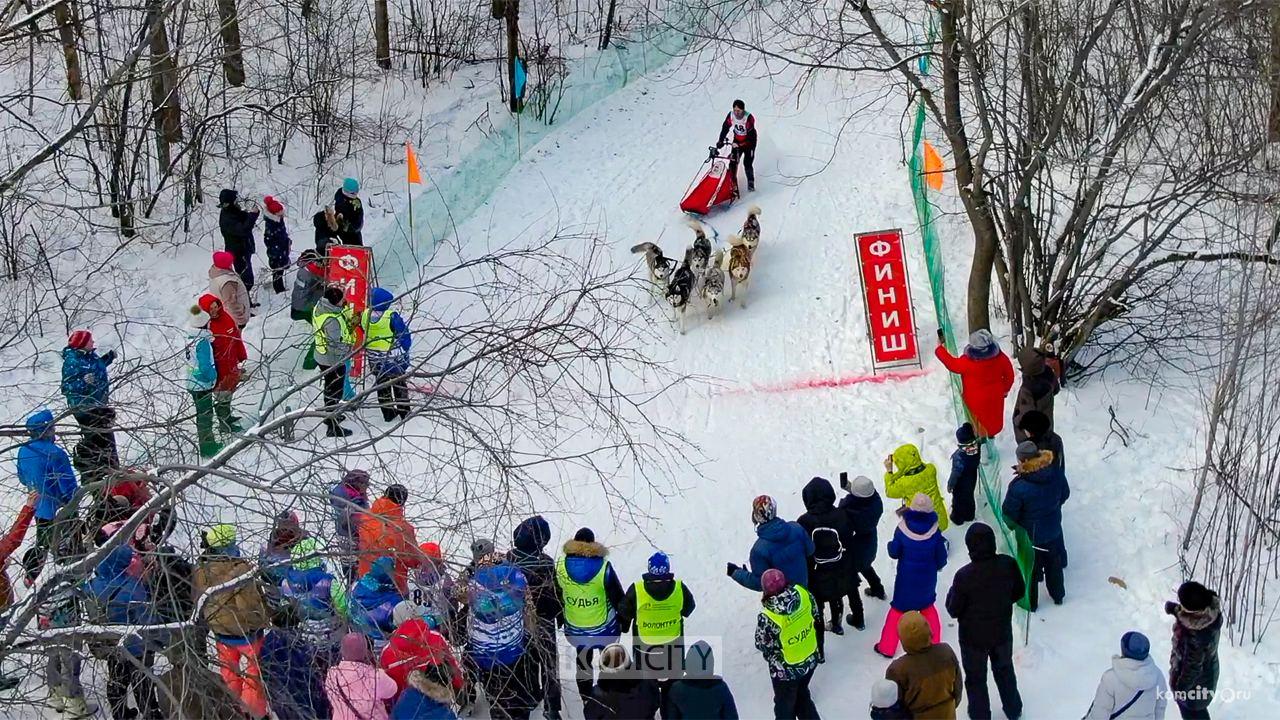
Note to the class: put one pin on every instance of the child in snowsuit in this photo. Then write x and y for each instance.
(357, 689)
(832, 575)
(228, 357)
(202, 375)
(921, 552)
(964, 474)
(387, 342)
(229, 287)
(912, 476)
(276, 237)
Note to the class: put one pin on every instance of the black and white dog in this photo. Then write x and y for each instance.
(680, 290)
(698, 256)
(713, 283)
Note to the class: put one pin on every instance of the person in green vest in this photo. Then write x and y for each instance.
(386, 343)
(654, 610)
(592, 594)
(787, 636)
(333, 336)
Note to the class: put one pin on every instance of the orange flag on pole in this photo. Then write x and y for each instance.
(411, 159)
(932, 166)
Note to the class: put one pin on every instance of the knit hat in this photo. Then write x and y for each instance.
(397, 494)
(982, 345)
(481, 547)
(532, 534)
(584, 535)
(355, 648)
(432, 551)
(1026, 450)
(273, 206)
(659, 564)
(304, 554)
(614, 658)
(220, 536)
(921, 503)
(80, 339)
(884, 693)
(1134, 645)
(1194, 597)
(773, 582)
(197, 318)
(763, 509)
(356, 478)
(965, 434)
(403, 612)
(1035, 423)
(224, 260)
(862, 487)
(350, 186)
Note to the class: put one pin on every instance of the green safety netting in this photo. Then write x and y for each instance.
(1013, 538)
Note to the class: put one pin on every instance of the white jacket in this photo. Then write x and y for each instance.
(1122, 682)
(230, 289)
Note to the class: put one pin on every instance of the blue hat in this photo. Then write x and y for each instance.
(381, 299)
(659, 564)
(1135, 645)
(40, 423)
(350, 186)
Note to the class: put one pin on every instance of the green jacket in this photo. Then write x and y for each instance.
(915, 476)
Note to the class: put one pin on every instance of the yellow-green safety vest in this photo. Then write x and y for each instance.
(586, 605)
(659, 622)
(796, 631)
(377, 335)
(317, 326)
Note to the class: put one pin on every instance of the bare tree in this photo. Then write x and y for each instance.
(229, 31)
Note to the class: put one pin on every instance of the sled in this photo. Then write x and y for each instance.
(716, 183)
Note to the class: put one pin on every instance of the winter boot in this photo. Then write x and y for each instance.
(855, 622)
(335, 429)
(79, 709)
(57, 702)
(834, 625)
(209, 449)
(226, 419)
(876, 591)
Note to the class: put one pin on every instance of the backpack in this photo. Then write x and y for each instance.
(827, 547)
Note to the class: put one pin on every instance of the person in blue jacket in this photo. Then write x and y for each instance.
(1034, 503)
(87, 388)
(373, 601)
(498, 639)
(429, 695)
(124, 600)
(963, 481)
(387, 342)
(921, 552)
(320, 599)
(779, 544)
(292, 670)
(45, 469)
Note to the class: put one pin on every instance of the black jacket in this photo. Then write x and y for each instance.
(864, 516)
(351, 222)
(833, 538)
(1052, 442)
(660, 588)
(530, 538)
(700, 694)
(324, 235)
(1193, 662)
(236, 225)
(170, 580)
(621, 699)
(983, 593)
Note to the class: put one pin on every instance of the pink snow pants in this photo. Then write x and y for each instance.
(888, 644)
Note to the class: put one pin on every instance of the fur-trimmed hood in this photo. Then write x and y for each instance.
(1199, 619)
(1041, 461)
(440, 693)
(585, 549)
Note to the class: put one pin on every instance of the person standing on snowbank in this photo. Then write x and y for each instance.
(913, 476)
(236, 225)
(928, 676)
(333, 336)
(1033, 502)
(963, 481)
(591, 593)
(743, 126)
(230, 289)
(387, 342)
(787, 636)
(921, 552)
(350, 212)
(986, 376)
(1193, 662)
(276, 237)
(1134, 688)
(981, 598)
(87, 388)
(864, 507)
(779, 544)
(831, 571)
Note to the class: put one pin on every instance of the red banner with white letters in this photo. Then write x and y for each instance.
(886, 293)
(351, 266)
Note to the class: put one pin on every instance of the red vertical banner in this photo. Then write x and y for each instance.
(886, 292)
(351, 266)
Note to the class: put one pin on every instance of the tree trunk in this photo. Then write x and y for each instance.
(67, 19)
(229, 30)
(607, 32)
(382, 33)
(512, 16)
(1273, 118)
(167, 113)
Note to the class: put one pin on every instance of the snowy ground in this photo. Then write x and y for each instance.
(624, 163)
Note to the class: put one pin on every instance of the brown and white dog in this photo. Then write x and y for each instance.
(742, 251)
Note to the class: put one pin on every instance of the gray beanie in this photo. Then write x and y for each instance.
(1026, 451)
(481, 547)
(862, 487)
(403, 612)
(884, 693)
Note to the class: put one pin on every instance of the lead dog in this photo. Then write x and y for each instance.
(660, 266)
(680, 290)
(751, 228)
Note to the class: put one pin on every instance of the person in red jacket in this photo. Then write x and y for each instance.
(986, 376)
(743, 125)
(9, 543)
(228, 356)
(414, 646)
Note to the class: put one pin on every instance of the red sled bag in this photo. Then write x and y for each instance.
(716, 183)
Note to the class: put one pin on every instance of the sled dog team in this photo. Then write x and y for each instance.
(702, 272)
